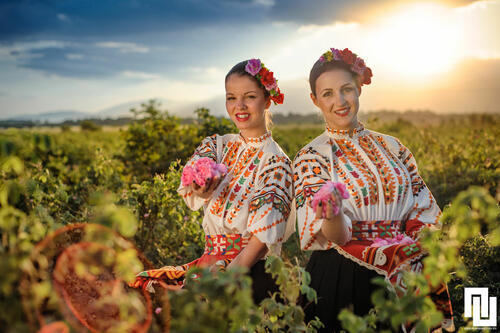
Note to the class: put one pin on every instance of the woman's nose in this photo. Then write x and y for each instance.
(339, 100)
(240, 103)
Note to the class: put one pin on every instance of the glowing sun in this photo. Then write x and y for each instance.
(418, 40)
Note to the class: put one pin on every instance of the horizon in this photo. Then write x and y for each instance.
(70, 56)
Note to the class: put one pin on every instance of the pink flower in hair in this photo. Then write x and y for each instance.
(324, 195)
(336, 54)
(359, 66)
(253, 66)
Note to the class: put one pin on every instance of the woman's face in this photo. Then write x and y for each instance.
(337, 95)
(246, 105)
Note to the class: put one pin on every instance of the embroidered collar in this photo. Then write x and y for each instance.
(257, 140)
(345, 133)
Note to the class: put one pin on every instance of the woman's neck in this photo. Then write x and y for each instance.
(254, 133)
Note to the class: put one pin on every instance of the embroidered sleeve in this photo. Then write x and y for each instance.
(425, 210)
(207, 148)
(310, 172)
(270, 205)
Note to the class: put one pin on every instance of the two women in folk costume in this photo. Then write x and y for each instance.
(243, 182)
(370, 230)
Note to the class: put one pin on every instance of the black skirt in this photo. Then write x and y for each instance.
(263, 284)
(339, 283)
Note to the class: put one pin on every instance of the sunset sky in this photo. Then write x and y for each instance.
(93, 55)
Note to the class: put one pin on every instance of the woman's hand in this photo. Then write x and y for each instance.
(208, 189)
(334, 227)
(329, 214)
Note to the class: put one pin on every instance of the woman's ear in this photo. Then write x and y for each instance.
(314, 99)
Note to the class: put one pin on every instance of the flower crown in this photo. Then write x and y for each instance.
(255, 68)
(357, 65)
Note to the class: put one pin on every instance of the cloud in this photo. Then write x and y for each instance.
(325, 12)
(101, 60)
(124, 47)
(74, 56)
(63, 17)
(103, 19)
(140, 75)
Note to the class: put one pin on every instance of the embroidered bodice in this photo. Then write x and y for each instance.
(381, 176)
(256, 195)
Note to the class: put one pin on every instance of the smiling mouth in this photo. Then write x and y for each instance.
(242, 116)
(342, 112)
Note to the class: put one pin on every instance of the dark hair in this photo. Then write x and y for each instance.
(321, 67)
(239, 69)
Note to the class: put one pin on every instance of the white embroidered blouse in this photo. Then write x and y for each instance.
(256, 195)
(380, 174)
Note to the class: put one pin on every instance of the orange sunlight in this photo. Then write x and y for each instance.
(422, 39)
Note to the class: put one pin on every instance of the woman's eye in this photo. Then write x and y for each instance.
(328, 93)
(251, 96)
(229, 98)
(348, 89)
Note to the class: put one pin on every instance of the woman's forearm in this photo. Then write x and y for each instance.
(335, 229)
(253, 252)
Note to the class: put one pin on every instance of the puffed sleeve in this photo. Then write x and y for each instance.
(310, 172)
(207, 148)
(425, 211)
(271, 204)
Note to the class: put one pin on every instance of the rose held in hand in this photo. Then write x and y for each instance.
(324, 195)
(203, 169)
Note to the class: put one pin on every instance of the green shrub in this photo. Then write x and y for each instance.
(89, 125)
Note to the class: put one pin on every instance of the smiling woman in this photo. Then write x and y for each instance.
(388, 200)
(248, 205)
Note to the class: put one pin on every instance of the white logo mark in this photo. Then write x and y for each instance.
(476, 305)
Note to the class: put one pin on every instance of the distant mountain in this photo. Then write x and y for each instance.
(123, 109)
(114, 112)
(52, 116)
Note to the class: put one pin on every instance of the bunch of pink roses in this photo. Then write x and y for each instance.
(399, 239)
(324, 195)
(202, 170)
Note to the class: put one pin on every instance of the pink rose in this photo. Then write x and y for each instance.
(203, 169)
(336, 54)
(253, 66)
(187, 175)
(399, 239)
(359, 67)
(324, 195)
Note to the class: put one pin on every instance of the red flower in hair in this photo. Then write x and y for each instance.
(348, 57)
(268, 80)
(367, 76)
(356, 64)
(278, 99)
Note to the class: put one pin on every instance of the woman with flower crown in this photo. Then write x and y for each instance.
(247, 199)
(375, 231)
